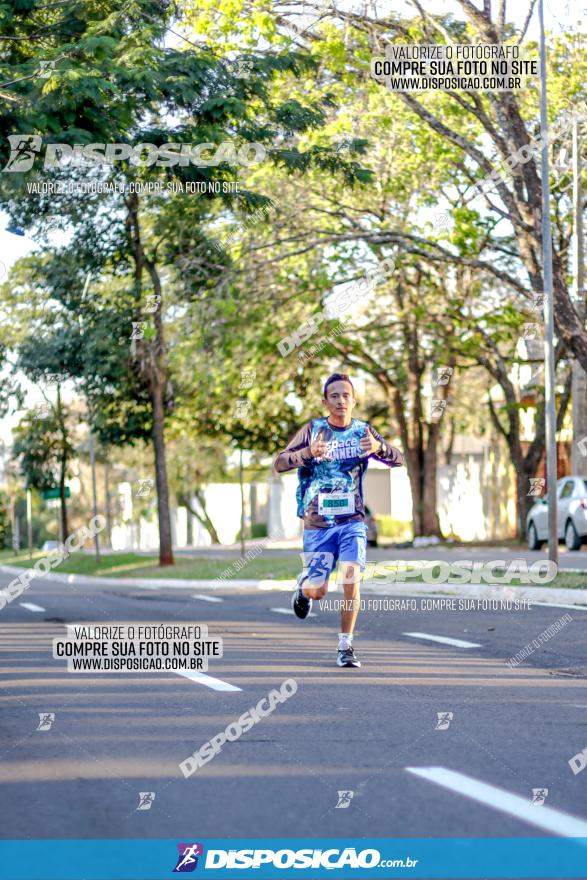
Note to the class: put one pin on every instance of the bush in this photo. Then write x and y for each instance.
(393, 528)
(259, 530)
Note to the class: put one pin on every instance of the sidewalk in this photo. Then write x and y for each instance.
(549, 596)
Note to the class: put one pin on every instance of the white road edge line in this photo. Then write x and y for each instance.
(443, 640)
(30, 606)
(216, 684)
(288, 611)
(556, 605)
(207, 598)
(547, 818)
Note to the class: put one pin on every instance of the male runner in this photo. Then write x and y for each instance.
(331, 456)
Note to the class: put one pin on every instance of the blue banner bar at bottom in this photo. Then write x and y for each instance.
(305, 859)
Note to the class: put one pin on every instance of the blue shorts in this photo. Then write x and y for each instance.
(324, 548)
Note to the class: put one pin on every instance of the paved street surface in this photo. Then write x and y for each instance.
(369, 731)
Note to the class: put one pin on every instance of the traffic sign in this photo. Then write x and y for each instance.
(54, 493)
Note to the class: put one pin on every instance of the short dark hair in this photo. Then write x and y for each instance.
(337, 377)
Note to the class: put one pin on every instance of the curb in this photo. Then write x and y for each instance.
(503, 592)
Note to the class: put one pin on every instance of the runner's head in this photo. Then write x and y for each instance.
(339, 397)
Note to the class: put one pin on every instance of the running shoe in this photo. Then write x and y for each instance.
(301, 604)
(347, 657)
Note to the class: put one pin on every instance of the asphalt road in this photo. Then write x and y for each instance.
(373, 732)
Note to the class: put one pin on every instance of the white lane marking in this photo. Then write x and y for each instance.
(30, 606)
(288, 611)
(444, 640)
(556, 605)
(542, 816)
(216, 684)
(207, 598)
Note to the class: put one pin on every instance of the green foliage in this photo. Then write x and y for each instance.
(259, 530)
(387, 527)
(41, 450)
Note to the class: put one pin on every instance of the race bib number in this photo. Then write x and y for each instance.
(336, 503)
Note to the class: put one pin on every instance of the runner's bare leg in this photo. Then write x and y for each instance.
(351, 576)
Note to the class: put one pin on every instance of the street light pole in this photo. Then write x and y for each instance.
(549, 372)
(29, 520)
(94, 494)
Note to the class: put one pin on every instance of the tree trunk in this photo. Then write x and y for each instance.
(524, 501)
(430, 521)
(108, 504)
(414, 473)
(152, 361)
(163, 512)
(203, 517)
(63, 526)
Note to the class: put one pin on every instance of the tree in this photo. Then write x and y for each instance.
(441, 146)
(195, 461)
(44, 451)
(119, 83)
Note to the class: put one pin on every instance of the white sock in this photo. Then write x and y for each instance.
(345, 640)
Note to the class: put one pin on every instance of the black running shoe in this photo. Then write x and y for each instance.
(301, 604)
(346, 657)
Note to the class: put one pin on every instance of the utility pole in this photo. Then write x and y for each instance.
(94, 494)
(549, 372)
(579, 388)
(29, 520)
(242, 488)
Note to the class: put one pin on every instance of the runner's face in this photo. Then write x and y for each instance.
(340, 400)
